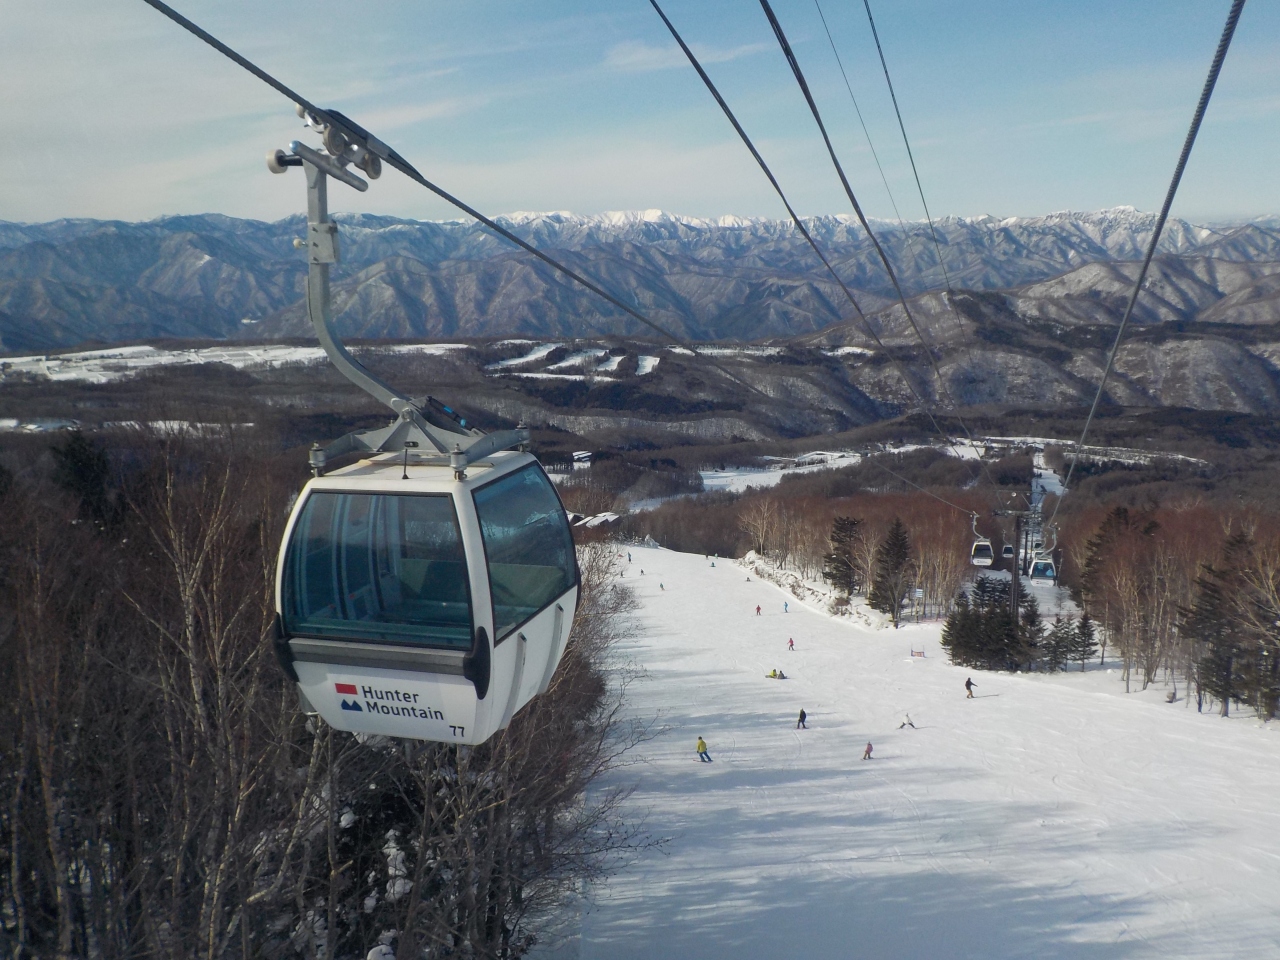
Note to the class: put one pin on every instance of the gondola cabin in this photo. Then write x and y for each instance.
(1043, 570)
(431, 607)
(982, 555)
(1007, 551)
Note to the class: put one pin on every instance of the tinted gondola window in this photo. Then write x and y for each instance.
(528, 544)
(380, 568)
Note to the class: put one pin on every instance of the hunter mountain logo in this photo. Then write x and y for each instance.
(349, 688)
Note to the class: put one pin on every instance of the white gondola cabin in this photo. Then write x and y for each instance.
(982, 554)
(428, 590)
(1043, 570)
(430, 607)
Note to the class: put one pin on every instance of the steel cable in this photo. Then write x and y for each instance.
(798, 73)
(1233, 16)
(358, 134)
(795, 217)
(906, 142)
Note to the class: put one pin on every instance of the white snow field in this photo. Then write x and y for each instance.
(1049, 817)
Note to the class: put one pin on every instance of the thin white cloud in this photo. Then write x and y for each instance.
(636, 56)
(411, 114)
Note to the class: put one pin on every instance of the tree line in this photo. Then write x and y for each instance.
(1186, 593)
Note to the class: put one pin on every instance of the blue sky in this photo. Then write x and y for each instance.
(1015, 108)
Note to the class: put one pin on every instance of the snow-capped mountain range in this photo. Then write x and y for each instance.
(211, 276)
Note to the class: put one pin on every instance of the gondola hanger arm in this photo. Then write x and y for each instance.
(412, 427)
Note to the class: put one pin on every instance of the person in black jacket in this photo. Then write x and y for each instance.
(800, 723)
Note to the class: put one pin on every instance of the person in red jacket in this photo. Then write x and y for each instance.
(866, 754)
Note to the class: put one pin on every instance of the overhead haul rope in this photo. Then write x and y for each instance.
(795, 217)
(946, 276)
(927, 493)
(865, 132)
(848, 190)
(857, 209)
(1214, 68)
(375, 146)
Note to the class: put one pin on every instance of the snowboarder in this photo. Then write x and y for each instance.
(969, 685)
(642, 571)
(906, 722)
(800, 724)
(757, 609)
(781, 675)
(628, 556)
(662, 588)
(702, 751)
(772, 675)
(866, 754)
(713, 563)
(786, 607)
(791, 644)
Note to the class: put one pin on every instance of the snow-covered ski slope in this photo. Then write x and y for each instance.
(1050, 817)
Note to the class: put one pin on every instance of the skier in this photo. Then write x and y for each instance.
(800, 723)
(642, 571)
(786, 607)
(703, 756)
(906, 722)
(791, 644)
(969, 685)
(628, 556)
(757, 609)
(866, 754)
(661, 587)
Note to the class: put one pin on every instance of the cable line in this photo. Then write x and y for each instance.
(946, 276)
(1210, 81)
(857, 208)
(848, 190)
(865, 132)
(795, 217)
(357, 134)
(929, 493)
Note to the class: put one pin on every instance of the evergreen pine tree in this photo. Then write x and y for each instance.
(1059, 644)
(1027, 650)
(1213, 621)
(839, 567)
(1085, 643)
(81, 468)
(958, 632)
(893, 573)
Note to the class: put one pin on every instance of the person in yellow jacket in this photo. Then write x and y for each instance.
(702, 751)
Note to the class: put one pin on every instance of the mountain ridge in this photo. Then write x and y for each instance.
(1032, 304)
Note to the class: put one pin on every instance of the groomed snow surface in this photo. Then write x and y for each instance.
(1049, 817)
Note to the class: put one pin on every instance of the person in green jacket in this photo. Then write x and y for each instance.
(702, 751)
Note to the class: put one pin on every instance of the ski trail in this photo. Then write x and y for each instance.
(1050, 817)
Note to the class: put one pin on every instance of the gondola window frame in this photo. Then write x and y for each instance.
(295, 624)
(502, 631)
